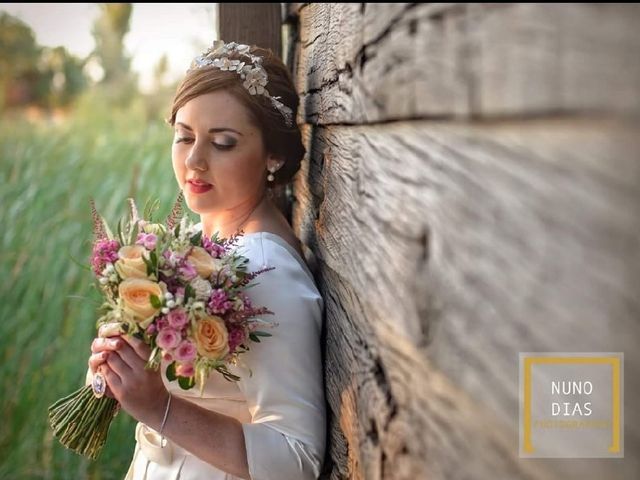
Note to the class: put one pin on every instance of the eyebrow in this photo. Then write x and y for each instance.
(211, 130)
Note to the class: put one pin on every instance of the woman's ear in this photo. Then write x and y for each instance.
(274, 163)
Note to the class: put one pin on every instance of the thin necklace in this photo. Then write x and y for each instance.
(249, 214)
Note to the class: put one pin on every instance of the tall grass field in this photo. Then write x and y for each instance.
(48, 173)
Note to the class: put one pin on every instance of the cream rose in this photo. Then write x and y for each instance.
(204, 263)
(212, 338)
(130, 264)
(136, 297)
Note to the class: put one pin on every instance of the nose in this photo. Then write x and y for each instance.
(196, 159)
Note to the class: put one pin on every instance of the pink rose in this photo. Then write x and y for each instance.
(186, 352)
(148, 240)
(177, 318)
(185, 370)
(162, 323)
(187, 271)
(168, 339)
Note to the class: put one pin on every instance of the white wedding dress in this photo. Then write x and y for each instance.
(282, 406)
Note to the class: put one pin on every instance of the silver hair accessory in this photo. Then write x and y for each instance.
(251, 71)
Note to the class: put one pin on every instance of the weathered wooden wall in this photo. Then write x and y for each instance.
(471, 191)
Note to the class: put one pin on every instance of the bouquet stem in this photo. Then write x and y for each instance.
(81, 421)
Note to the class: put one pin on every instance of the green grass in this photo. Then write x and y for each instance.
(47, 175)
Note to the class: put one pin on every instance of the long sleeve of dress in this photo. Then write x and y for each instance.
(285, 395)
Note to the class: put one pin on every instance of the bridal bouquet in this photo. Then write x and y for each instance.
(180, 292)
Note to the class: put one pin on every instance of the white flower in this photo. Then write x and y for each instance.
(201, 287)
(235, 65)
(255, 80)
(171, 303)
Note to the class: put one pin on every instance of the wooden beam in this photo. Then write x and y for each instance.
(251, 23)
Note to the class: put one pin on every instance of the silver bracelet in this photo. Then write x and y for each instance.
(164, 420)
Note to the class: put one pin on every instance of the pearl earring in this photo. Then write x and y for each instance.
(270, 177)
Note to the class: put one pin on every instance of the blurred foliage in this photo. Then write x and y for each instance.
(49, 168)
(51, 78)
(35, 75)
(63, 139)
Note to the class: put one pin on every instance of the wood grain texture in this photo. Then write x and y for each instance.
(471, 191)
(251, 23)
(444, 250)
(366, 63)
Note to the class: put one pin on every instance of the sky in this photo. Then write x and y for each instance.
(181, 30)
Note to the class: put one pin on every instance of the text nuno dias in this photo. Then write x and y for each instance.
(570, 409)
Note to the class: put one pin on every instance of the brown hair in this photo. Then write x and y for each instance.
(278, 139)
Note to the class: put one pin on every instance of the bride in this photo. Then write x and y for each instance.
(235, 136)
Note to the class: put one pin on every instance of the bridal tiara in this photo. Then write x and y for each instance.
(250, 70)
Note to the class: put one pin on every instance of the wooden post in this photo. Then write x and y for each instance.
(251, 23)
(255, 24)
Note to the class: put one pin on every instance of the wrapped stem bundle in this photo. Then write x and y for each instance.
(81, 421)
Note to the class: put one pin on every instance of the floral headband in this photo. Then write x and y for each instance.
(251, 71)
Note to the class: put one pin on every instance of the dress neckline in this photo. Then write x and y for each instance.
(284, 244)
(280, 241)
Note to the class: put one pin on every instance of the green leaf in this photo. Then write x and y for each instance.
(150, 207)
(262, 334)
(171, 372)
(107, 229)
(153, 256)
(133, 232)
(149, 265)
(197, 239)
(254, 337)
(188, 292)
(155, 301)
(120, 235)
(186, 382)
(231, 377)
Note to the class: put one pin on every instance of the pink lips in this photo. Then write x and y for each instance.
(198, 186)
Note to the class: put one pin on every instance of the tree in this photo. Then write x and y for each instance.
(31, 74)
(65, 76)
(109, 30)
(19, 56)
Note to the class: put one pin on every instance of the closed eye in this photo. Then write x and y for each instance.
(218, 146)
(222, 147)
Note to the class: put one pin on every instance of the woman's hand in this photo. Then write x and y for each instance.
(107, 341)
(140, 391)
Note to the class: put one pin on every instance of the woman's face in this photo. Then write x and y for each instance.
(218, 155)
